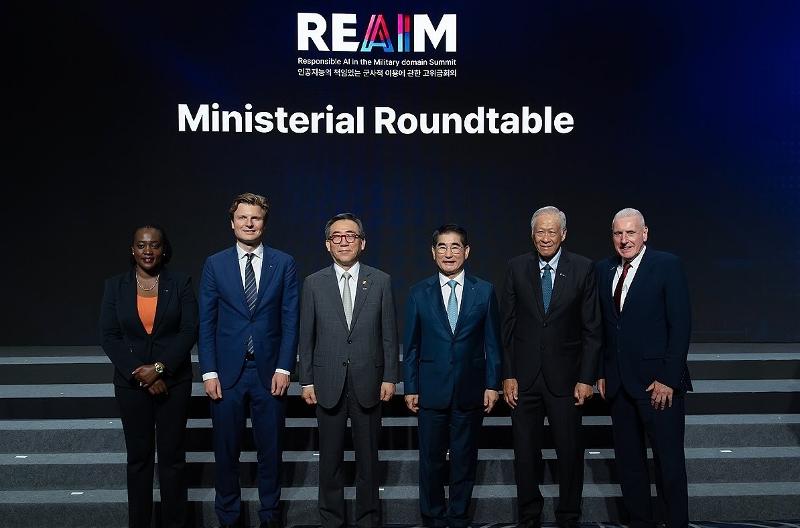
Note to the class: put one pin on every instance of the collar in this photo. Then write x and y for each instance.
(553, 261)
(258, 252)
(354, 269)
(636, 261)
(444, 280)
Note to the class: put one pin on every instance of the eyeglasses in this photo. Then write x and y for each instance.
(349, 237)
(455, 249)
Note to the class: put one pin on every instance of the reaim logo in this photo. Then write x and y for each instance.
(312, 29)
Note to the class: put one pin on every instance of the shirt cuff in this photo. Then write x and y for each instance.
(209, 375)
(283, 371)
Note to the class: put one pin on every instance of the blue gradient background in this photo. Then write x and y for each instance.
(689, 111)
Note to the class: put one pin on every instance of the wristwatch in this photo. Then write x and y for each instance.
(159, 366)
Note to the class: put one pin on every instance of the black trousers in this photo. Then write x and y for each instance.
(632, 420)
(528, 429)
(365, 423)
(149, 422)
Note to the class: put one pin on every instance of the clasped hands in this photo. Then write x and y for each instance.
(149, 379)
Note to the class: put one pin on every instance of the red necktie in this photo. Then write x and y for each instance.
(618, 290)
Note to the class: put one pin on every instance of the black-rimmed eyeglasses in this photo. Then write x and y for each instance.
(349, 237)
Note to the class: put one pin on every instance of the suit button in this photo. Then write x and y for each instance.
(544, 325)
(349, 341)
(344, 363)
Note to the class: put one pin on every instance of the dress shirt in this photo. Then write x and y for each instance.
(257, 261)
(628, 278)
(443, 280)
(553, 264)
(353, 271)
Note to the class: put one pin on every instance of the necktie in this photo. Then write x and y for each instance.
(452, 306)
(347, 299)
(250, 294)
(618, 290)
(547, 287)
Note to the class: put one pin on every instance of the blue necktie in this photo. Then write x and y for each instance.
(250, 293)
(452, 306)
(547, 287)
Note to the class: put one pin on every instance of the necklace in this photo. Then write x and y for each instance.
(139, 284)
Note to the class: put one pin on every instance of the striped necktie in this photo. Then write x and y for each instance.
(250, 293)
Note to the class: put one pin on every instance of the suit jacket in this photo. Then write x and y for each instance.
(564, 343)
(447, 368)
(329, 350)
(226, 321)
(125, 340)
(649, 340)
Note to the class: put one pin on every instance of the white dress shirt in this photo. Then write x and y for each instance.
(257, 261)
(443, 280)
(628, 278)
(353, 280)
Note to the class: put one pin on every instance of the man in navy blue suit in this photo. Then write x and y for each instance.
(644, 298)
(451, 374)
(247, 349)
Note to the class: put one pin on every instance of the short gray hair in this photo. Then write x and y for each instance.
(627, 213)
(549, 209)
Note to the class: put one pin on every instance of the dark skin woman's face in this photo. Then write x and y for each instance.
(147, 250)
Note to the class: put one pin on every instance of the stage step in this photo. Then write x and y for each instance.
(62, 452)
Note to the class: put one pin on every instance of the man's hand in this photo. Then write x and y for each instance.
(582, 393)
(146, 375)
(661, 395)
(601, 387)
(387, 391)
(511, 392)
(490, 397)
(159, 387)
(213, 388)
(280, 382)
(309, 395)
(412, 402)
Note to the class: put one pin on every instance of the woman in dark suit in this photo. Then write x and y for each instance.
(148, 322)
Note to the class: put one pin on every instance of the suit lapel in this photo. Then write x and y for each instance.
(267, 265)
(128, 301)
(235, 274)
(559, 282)
(166, 291)
(437, 302)
(362, 289)
(636, 283)
(467, 300)
(535, 277)
(331, 290)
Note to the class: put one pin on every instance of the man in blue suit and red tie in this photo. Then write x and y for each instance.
(247, 349)
(644, 298)
(451, 374)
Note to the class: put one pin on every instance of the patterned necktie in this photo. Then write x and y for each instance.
(547, 287)
(347, 299)
(250, 290)
(618, 290)
(250, 293)
(452, 306)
